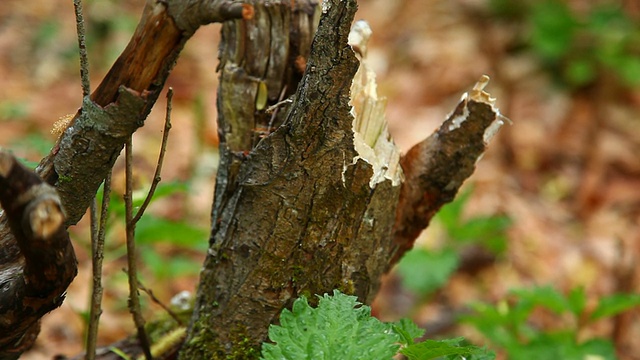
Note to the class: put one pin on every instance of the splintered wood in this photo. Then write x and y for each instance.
(371, 136)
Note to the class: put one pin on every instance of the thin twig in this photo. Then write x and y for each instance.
(163, 148)
(98, 234)
(132, 271)
(134, 300)
(84, 60)
(149, 292)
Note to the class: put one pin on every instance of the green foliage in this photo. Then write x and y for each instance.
(424, 271)
(35, 144)
(578, 48)
(13, 110)
(342, 328)
(507, 325)
(486, 231)
(447, 349)
(339, 328)
(152, 231)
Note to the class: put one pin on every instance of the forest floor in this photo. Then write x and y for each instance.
(566, 172)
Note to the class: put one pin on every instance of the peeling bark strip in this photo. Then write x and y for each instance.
(435, 168)
(35, 282)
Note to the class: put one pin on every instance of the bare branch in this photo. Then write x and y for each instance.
(97, 255)
(435, 168)
(37, 284)
(132, 267)
(163, 149)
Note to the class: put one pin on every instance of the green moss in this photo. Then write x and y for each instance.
(297, 272)
(207, 345)
(64, 178)
(347, 287)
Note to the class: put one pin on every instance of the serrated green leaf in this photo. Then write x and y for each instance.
(614, 305)
(425, 271)
(432, 349)
(408, 331)
(339, 328)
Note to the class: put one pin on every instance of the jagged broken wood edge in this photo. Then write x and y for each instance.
(435, 168)
(36, 284)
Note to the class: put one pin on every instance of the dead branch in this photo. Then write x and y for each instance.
(36, 269)
(436, 167)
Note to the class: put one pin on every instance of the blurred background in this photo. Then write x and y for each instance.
(537, 256)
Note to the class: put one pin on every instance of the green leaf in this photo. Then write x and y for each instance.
(161, 191)
(424, 271)
(151, 229)
(408, 330)
(339, 328)
(561, 345)
(432, 349)
(485, 230)
(450, 215)
(546, 297)
(497, 323)
(553, 29)
(577, 300)
(614, 305)
(629, 70)
(580, 71)
(168, 267)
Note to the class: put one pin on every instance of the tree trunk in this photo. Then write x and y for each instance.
(299, 211)
(300, 216)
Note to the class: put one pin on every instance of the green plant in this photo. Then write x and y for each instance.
(509, 324)
(342, 328)
(153, 231)
(578, 48)
(425, 270)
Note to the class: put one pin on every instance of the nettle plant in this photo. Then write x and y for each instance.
(510, 324)
(340, 327)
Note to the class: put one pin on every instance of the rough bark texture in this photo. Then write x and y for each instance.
(35, 270)
(436, 167)
(34, 285)
(302, 218)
